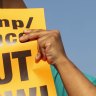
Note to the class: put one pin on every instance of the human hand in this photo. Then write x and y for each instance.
(50, 46)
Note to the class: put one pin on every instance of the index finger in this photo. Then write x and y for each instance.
(32, 36)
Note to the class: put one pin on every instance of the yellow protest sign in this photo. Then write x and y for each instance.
(19, 74)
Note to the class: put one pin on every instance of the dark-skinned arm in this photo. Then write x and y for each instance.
(53, 52)
(50, 49)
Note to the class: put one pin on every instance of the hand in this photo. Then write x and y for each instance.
(50, 47)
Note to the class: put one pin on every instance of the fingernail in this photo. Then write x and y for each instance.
(38, 56)
(21, 38)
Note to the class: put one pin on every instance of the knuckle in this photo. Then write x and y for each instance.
(56, 33)
(39, 40)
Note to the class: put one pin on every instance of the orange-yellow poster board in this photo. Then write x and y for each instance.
(19, 74)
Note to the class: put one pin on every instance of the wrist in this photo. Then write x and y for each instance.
(61, 60)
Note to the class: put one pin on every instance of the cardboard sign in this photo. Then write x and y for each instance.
(19, 74)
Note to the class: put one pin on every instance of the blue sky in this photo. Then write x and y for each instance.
(76, 20)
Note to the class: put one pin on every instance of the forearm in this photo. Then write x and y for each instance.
(74, 81)
(12, 4)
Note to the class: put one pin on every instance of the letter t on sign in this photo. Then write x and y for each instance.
(21, 55)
